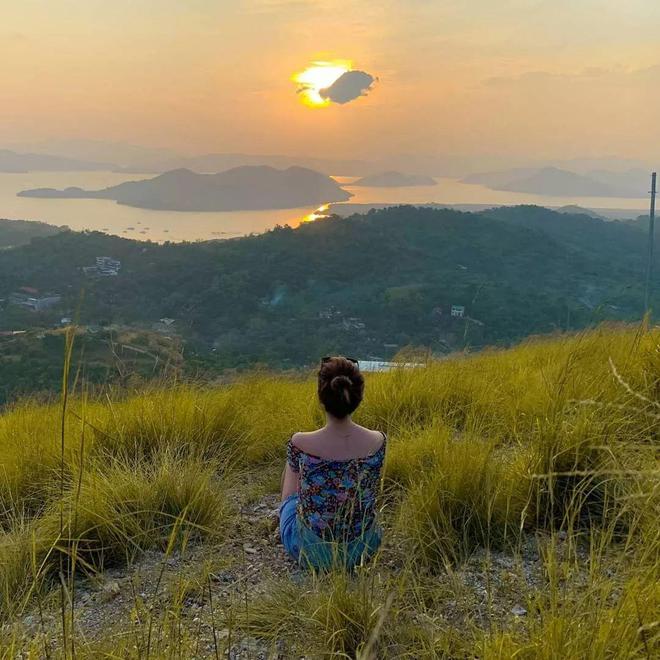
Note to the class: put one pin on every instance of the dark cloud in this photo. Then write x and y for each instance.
(348, 87)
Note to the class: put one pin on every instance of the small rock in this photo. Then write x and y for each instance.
(504, 562)
(249, 549)
(518, 610)
(297, 578)
(562, 535)
(111, 590)
(223, 576)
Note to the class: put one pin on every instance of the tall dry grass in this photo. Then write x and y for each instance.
(555, 439)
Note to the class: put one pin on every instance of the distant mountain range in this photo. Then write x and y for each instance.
(562, 183)
(135, 159)
(13, 162)
(596, 177)
(237, 189)
(394, 180)
(222, 162)
(131, 158)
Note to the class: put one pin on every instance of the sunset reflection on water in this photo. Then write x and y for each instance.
(319, 214)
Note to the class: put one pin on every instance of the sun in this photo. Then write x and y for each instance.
(319, 75)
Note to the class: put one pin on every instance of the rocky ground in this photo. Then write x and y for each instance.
(196, 589)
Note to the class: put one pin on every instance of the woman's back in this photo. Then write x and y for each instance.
(339, 479)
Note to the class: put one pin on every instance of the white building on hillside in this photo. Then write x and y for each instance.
(458, 311)
(107, 266)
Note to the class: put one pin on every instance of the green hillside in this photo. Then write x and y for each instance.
(520, 503)
(18, 232)
(368, 285)
(31, 363)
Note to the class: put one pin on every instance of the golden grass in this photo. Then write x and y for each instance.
(556, 436)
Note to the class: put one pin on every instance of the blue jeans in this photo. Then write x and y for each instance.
(310, 550)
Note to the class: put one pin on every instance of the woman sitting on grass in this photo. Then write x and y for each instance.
(332, 476)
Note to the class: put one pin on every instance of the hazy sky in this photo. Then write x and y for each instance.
(542, 78)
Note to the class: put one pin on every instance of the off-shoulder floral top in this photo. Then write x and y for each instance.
(337, 498)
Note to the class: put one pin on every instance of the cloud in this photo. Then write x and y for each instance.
(14, 37)
(589, 75)
(348, 87)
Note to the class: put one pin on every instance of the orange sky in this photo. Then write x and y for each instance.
(555, 79)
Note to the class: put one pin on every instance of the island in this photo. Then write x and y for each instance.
(553, 181)
(394, 180)
(245, 188)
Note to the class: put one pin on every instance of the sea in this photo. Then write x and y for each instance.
(160, 226)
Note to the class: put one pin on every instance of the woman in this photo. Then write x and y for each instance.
(332, 477)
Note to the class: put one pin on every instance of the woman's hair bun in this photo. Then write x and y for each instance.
(341, 386)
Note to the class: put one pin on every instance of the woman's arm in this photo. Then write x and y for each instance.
(289, 481)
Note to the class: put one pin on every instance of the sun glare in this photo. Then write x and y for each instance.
(319, 214)
(316, 77)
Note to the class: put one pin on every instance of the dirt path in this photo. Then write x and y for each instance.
(196, 590)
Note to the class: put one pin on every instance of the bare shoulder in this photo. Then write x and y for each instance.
(304, 439)
(374, 439)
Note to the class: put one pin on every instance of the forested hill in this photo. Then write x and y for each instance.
(366, 285)
(19, 232)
